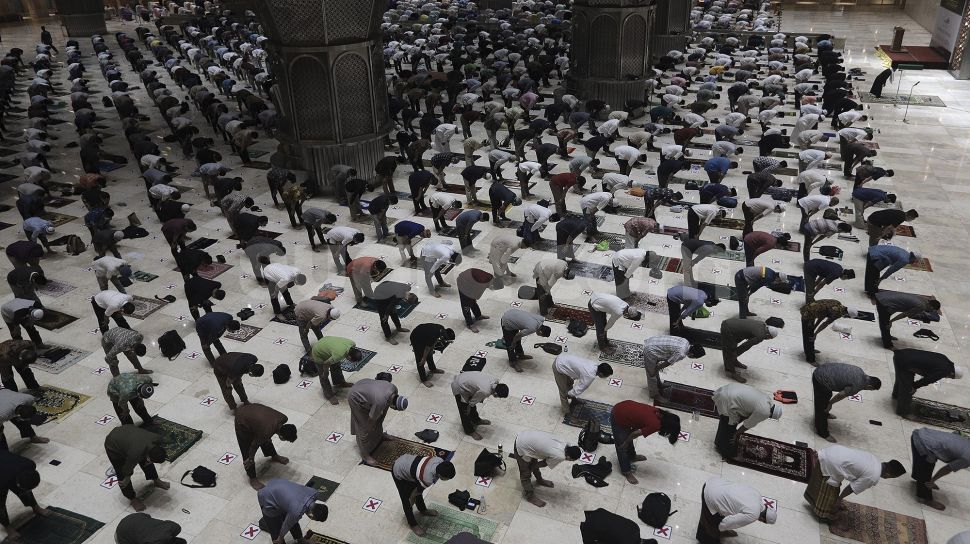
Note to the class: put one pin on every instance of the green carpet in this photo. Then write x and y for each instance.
(176, 438)
(449, 522)
(350, 366)
(61, 527)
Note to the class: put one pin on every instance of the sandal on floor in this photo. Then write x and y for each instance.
(926, 333)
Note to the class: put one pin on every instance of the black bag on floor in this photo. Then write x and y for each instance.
(281, 374)
(202, 476)
(589, 437)
(171, 344)
(474, 363)
(831, 252)
(459, 499)
(74, 245)
(527, 292)
(655, 510)
(307, 366)
(487, 463)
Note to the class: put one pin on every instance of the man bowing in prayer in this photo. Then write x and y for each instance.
(369, 400)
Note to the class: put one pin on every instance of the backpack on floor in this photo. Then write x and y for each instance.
(202, 476)
(171, 344)
(74, 245)
(655, 510)
(589, 437)
(281, 374)
(307, 366)
(577, 328)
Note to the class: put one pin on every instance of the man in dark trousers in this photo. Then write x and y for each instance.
(566, 232)
(427, 338)
(210, 329)
(230, 369)
(740, 335)
(128, 446)
(821, 272)
(841, 380)
(131, 389)
(904, 305)
(283, 503)
(816, 317)
(17, 355)
(412, 475)
(930, 365)
(385, 299)
(883, 223)
(472, 284)
(140, 528)
(256, 424)
(18, 475)
(47, 39)
(882, 261)
(471, 388)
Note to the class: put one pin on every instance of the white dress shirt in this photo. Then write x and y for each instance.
(861, 468)
(280, 274)
(111, 301)
(541, 446)
(582, 371)
(738, 503)
(613, 305)
(537, 215)
(629, 260)
(441, 253)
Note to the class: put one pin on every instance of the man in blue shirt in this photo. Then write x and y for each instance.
(865, 197)
(717, 168)
(821, 272)
(283, 503)
(464, 224)
(888, 260)
(404, 233)
(682, 302)
(748, 280)
(713, 192)
(210, 328)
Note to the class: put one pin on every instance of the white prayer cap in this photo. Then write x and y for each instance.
(957, 371)
(773, 332)
(334, 313)
(776, 410)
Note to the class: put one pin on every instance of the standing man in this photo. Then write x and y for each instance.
(385, 300)
(412, 475)
(930, 446)
(930, 365)
(313, 314)
(256, 424)
(816, 317)
(883, 223)
(740, 408)
(625, 263)
(338, 239)
(128, 446)
(841, 380)
(838, 464)
(516, 325)
(131, 389)
(547, 273)
(740, 335)
(748, 280)
(726, 506)
(905, 305)
(438, 259)
(369, 401)
(210, 329)
(282, 504)
(606, 309)
(659, 352)
(534, 450)
(574, 375)
(327, 353)
(471, 388)
(425, 339)
(123, 340)
(472, 284)
(682, 302)
(630, 420)
(47, 39)
(229, 370)
(821, 272)
(888, 260)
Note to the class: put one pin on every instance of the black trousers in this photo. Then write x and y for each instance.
(674, 310)
(469, 309)
(246, 442)
(146, 466)
(693, 224)
(102, 316)
(207, 349)
(26, 374)
(872, 280)
(25, 495)
(822, 397)
(599, 322)
(272, 525)
(514, 349)
(808, 342)
(468, 414)
(884, 315)
(26, 431)
(904, 389)
(405, 488)
(422, 371)
(124, 414)
(922, 472)
(723, 440)
(388, 314)
(545, 299)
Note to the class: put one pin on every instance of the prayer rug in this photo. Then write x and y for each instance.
(562, 313)
(59, 202)
(923, 265)
(58, 358)
(617, 241)
(628, 211)
(729, 255)
(580, 413)
(649, 303)
(723, 292)
(349, 366)
(708, 339)
(599, 218)
(906, 230)
(7, 152)
(452, 232)
(625, 353)
(774, 457)
(106, 166)
(786, 171)
(54, 288)
(54, 320)
(244, 334)
(671, 264)
(56, 403)
(454, 189)
(176, 438)
(391, 448)
(728, 223)
(317, 538)
(402, 308)
(672, 231)
(549, 246)
(591, 270)
(902, 100)
(323, 486)
(288, 317)
(145, 307)
(368, 219)
(58, 219)
(143, 276)
(182, 188)
(874, 526)
(61, 527)
(941, 414)
(202, 243)
(687, 398)
(449, 522)
(258, 165)
(263, 233)
(257, 154)
(210, 271)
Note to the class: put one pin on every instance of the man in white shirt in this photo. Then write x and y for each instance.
(812, 204)
(592, 203)
(740, 407)
(547, 273)
(279, 279)
(726, 506)
(534, 219)
(838, 464)
(112, 304)
(627, 157)
(574, 375)
(501, 250)
(435, 258)
(338, 239)
(111, 269)
(754, 209)
(625, 264)
(470, 389)
(538, 449)
(440, 202)
(700, 216)
(606, 309)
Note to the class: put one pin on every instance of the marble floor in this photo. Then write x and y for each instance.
(927, 152)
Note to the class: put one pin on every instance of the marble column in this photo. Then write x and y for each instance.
(671, 28)
(960, 59)
(609, 55)
(81, 17)
(327, 57)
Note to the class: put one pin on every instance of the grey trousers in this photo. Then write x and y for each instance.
(565, 385)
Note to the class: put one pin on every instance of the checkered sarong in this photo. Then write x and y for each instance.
(822, 496)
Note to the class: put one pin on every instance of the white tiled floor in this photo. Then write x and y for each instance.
(927, 154)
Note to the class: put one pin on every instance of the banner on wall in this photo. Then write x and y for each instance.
(947, 27)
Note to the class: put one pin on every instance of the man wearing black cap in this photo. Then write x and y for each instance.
(427, 338)
(128, 446)
(229, 369)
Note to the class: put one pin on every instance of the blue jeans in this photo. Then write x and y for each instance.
(625, 455)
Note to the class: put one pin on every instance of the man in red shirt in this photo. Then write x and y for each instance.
(560, 185)
(631, 419)
(758, 242)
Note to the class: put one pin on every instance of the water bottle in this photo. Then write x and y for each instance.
(500, 449)
(695, 416)
(481, 505)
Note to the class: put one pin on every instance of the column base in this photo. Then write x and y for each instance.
(317, 158)
(613, 92)
(84, 25)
